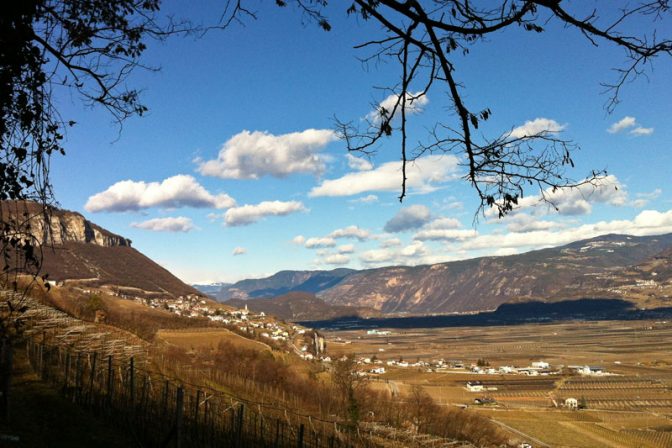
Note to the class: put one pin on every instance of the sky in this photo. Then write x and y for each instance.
(236, 171)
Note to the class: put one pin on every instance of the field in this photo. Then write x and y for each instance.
(630, 407)
(206, 338)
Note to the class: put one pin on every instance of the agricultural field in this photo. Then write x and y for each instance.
(630, 406)
(206, 338)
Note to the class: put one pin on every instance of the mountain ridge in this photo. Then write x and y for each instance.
(480, 284)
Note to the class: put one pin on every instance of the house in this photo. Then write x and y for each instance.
(377, 370)
(475, 386)
(572, 403)
(541, 365)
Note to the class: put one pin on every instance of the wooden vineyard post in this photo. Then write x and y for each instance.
(179, 407)
(239, 425)
(92, 377)
(299, 437)
(66, 379)
(5, 376)
(110, 381)
(78, 378)
(131, 384)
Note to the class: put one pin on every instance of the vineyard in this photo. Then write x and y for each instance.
(109, 372)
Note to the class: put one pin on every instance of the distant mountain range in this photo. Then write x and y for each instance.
(76, 250)
(297, 306)
(638, 269)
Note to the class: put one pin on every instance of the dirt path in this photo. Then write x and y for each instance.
(41, 417)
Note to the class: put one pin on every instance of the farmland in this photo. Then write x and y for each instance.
(629, 404)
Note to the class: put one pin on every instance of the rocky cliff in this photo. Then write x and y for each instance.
(64, 226)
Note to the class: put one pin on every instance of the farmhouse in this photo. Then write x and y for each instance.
(572, 403)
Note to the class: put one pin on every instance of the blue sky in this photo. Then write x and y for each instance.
(235, 172)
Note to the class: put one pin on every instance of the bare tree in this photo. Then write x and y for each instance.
(423, 38)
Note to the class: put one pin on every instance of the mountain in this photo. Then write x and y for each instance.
(485, 283)
(282, 283)
(648, 283)
(211, 289)
(609, 266)
(77, 250)
(298, 306)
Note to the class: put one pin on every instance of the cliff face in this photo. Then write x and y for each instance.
(64, 226)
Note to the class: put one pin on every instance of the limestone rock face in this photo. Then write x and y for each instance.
(66, 227)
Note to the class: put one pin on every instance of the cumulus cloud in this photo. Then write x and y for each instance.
(523, 222)
(248, 214)
(358, 164)
(368, 199)
(644, 198)
(445, 234)
(375, 256)
(390, 242)
(624, 123)
(640, 131)
(415, 249)
(443, 223)
(423, 175)
(174, 192)
(648, 222)
(337, 259)
(408, 218)
(239, 251)
(314, 243)
(415, 102)
(346, 249)
(351, 232)
(627, 123)
(170, 224)
(299, 239)
(574, 201)
(251, 155)
(538, 126)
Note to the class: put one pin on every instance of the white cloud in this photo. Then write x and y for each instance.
(346, 249)
(415, 249)
(365, 199)
(648, 222)
(351, 232)
(423, 175)
(391, 242)
(574, 201)
(408, 218)
(174, 192)
(248, 214)
(170, 224)
(314, 243)
(358, 163)
(337, 259)
(239, 251)
(522, 222)
(624, 123)
(644, 198)
(414, 105)
(536, 127)
(251, 155)
(299, 239)
(377, 256)
(444, 223)
(445, 234)
(640, 131)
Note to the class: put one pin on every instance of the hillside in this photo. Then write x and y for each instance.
(485, 283)
(77, 250)
(282, 283)
(298, 306)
